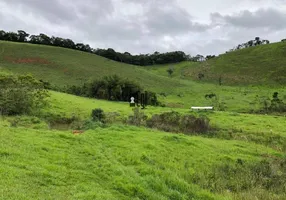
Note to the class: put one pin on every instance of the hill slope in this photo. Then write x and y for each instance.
(264, 64)
(66, 67)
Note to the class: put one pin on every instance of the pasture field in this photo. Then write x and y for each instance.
(121, 162)
(242, 158)
(63, 67)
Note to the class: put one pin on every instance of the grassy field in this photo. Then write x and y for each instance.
(242, 158)
(119, 162)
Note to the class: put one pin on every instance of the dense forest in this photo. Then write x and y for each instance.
(126, 57)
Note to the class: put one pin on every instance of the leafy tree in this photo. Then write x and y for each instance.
(34, 39)
(210, 57)
(44, 39)
(11, 36)
(22, 36)
(198, 58)
(2, 35)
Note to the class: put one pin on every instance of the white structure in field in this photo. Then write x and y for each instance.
(202, 108)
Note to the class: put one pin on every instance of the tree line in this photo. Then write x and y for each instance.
(126, 57)
(112, 88)
(251, 43)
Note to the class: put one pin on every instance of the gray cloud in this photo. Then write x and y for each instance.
(171, 21)
(149, 25)
(262, 18)
(52, 10)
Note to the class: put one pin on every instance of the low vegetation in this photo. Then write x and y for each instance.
(21, 95)
(177, 123)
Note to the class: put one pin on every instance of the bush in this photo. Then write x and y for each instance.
(175, 122)
(97, 115)
(21, 95)
(111, 117)
(138, 118)
(241, 176)
(268, 105)
(192, 124)
(91, 125)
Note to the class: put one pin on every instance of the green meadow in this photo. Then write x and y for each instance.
(242, 157)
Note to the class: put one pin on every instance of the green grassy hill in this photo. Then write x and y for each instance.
(64, 66)
(67, 67)
(265, 64)
(243, 157)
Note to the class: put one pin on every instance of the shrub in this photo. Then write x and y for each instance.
(201, 75)
(271, 105)
(21, 94)
(218, 104)
(91, 125)
(111, 117)
(175, 122)
(170, 71)
(192, 124)
(97, 115)
(210, 96)
(277, 105)
(138, 118)
(168, 121)
(241, 176)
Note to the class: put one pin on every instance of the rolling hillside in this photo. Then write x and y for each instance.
(265, 64)
(66, 67)
(242, 158)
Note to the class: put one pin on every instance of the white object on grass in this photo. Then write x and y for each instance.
(203, 108)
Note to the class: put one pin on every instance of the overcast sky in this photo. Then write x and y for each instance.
(144, 26)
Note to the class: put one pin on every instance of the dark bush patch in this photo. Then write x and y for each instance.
(175, 122)
(97, 115)
(210, 96)
(241, 176)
